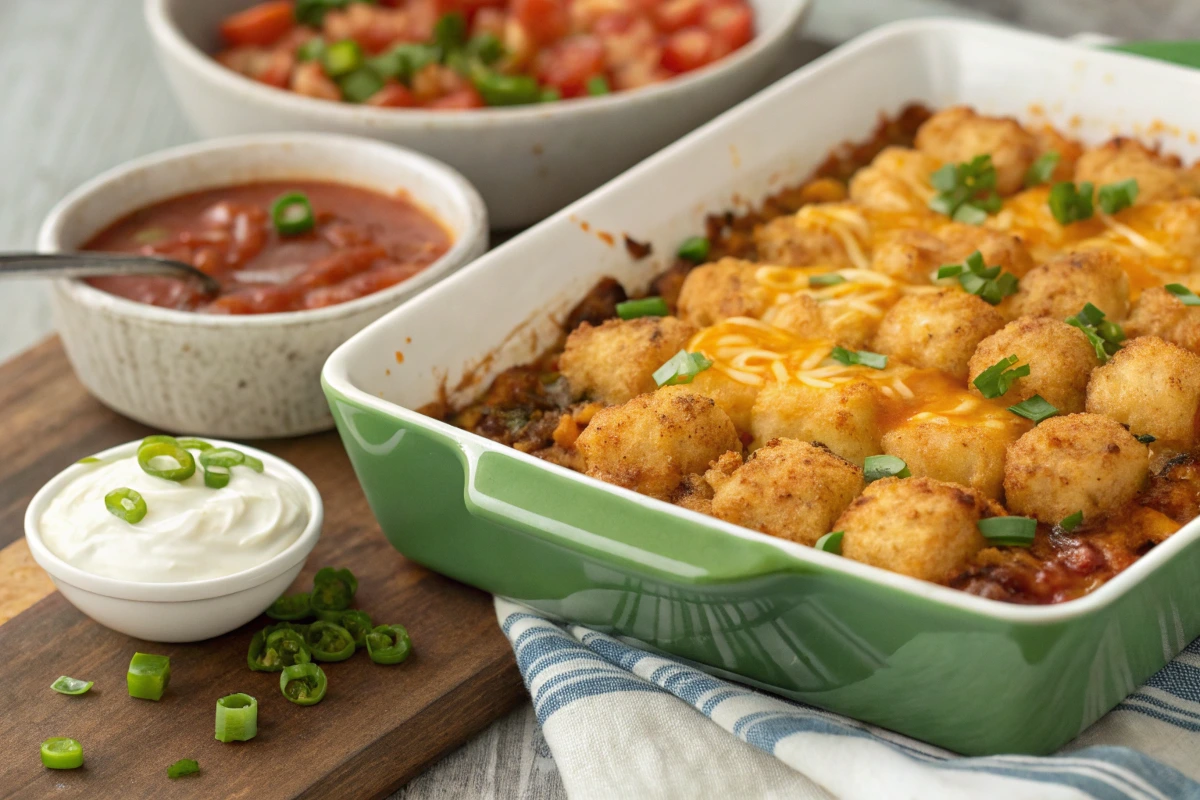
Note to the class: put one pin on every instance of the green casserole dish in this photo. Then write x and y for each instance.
(966, 673)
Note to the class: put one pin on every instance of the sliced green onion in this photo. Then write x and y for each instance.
(222, 457)
(59, 752)
(1104, 335)
(158, 438)
(342, 58)
(88, 460)
(359, 85)
(683, 367)
(976, 278)
(1042, 170)
(312, 50)
(333, 589)
(1035, 408)
(1115, 197)
(292, 214)
(1185, 295)
(694, 249)
(859, 357)
(598, 85)
(148, 676)
(826, 279)
(450, 31)
(950, 270)
(148, 454)
(237, 718)
(71, 686)
(303, 684)
(252, 462)
(508, 90)
(550, 95)
(216, 476)
(1070, 523)
(182, 767)
(278, 646)
(126, 504)
(877, 467)
(151, 235)
(357, 623)
(486, 47)
(966, 191)
(1008, 531)
(997, 379)
(188, 443)
(1069, 203)
(646, 307)
(1145, 438)
(831, 542)
(328, 641)
(389, 644)
(291, 607)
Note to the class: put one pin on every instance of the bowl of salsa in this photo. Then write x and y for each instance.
(536, 101)
(309, 237)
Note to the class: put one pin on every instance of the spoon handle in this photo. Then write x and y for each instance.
(92, 265)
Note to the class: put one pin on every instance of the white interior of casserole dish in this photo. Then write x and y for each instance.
(506, 307)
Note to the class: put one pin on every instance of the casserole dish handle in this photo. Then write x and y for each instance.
(613, 525)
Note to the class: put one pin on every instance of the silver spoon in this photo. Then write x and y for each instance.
(93, 265)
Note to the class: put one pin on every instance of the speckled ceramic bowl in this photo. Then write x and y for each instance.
(237, 376)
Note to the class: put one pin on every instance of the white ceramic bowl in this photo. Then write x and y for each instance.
(244, 376)
(176, 612)
(527, 162)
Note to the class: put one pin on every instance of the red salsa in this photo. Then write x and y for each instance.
(275, 246)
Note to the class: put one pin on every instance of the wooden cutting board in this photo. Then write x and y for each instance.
(377, 727)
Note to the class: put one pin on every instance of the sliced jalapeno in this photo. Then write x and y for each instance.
(329, 642)
(291, 607)
(388, 644)
(353, 620)
(303, 684)
(333, 589)
(274, 648)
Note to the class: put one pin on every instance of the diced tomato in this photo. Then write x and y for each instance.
(545, 20)
(690, 48)
(489, 20)
(339, 266)
(569, 64)
(261, 25)
(613, 23)
(278, 70)
(257, 300)
(394, 95)
(675, 15)
(463, 98)
(732, 24)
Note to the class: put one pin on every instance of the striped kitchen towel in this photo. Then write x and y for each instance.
(622, 722)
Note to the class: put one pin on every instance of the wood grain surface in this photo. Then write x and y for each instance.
(376, 728)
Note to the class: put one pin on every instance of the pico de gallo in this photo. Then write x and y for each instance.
(274, 246)
(461, 54)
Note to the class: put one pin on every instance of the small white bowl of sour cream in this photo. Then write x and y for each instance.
(201, 562)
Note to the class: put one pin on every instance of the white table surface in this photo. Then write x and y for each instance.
(81, 92)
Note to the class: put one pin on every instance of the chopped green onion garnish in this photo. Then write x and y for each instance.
(831, 542)
(967, 191)
(328, 641)
(357, 623)
(1035, 408)
(1185, 295)
(60, 752)
(683, 367)
(222, 457)
(1115, 197)
(88, 460)
(333, 589)
(486, 47)
(303, 684)
(216, 476)
(646, 307)
(291, 607)
(182, 767)
(237, 718)
(1070, 204)
(550, 95)
(389, 644)
(508, 90)
(1042, 170)
(976, 278)
(877, 467)
(450, 31)
(158, 438)
(1104, 336)
(598, 85)
(341, 58)
(1071, 522)
(71, 686)
(360, 85)
(151, 235)
(292, 214)
(148, 676)
(1008, 531)
(998, 378)
(950, 270)
(694, 249)
(126, 504)
(311, 50)
(827, 279)
(859, 357)
(253, 463)
(194, 444)
(1146, 438)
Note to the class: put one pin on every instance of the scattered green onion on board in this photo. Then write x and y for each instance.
(997, 379)
(1042, 170)
(71, 686)
(646, 307)
(1183, 293)
(1115, 197)
(182, 768)
(878, 467)
(333, 589)
(292, 214)
(1035, 408)
(127, 504)
(1071, 522)
(388, 644)
(237, 718)
(60, 752)
(831, 542)
(328, 641)
(1008, 531)
(148, 676)
(864, 358)
(694, 249)
(683, 367)
(291, 607)
(357, 623)
(303, 684)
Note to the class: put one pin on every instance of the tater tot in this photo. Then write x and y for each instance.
(714, 292)
(998, 249)
(1080, 462)
(1059, 356)
(969, 455)
(919, 527)
(808, 319)
(810, 237)
(1061, 287)
(844, 418)
(1159, 313)
(1152, 387)
(1121, 159)
(958, 134)
(790, 489)
(654, 441)
(733, 397)
(939, 330)
(615, 362)
(911, 256)
(897, 180)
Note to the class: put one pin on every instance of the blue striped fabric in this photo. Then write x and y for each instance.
(563, 665)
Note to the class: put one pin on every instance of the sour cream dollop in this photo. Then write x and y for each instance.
(190, 532)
